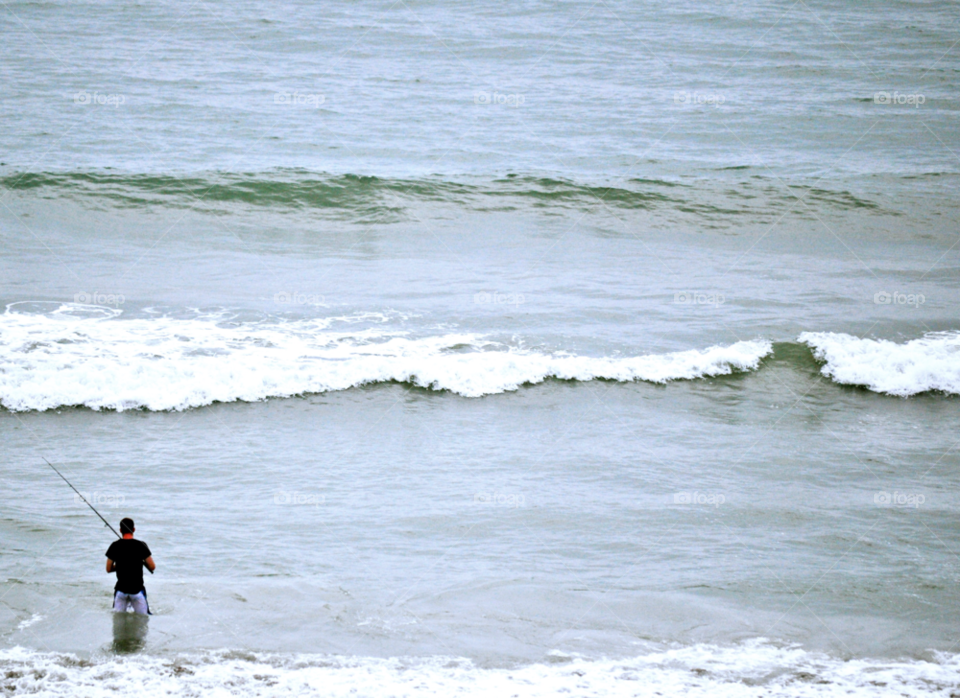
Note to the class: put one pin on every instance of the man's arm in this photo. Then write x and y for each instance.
(149, 563)
(110, 566)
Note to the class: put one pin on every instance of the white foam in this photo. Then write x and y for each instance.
(929, 363)
(162, 363)
(27, 622)
(750, 669)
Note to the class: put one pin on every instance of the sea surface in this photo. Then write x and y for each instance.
(604, 348)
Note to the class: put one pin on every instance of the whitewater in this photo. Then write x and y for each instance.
(174, 364)
(81, 355)
(735, 671)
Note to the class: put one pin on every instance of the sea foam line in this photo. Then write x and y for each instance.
(746, 670)
(174, 364)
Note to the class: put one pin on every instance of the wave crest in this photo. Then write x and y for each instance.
(386, 199)
(930, 363)
(175, 364)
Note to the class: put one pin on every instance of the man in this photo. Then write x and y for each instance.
(127, 558)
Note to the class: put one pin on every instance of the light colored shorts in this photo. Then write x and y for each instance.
(138, 601)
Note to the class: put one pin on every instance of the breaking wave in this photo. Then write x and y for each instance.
(751, 668)
(87, 356)
(103, 362)
(930, 363)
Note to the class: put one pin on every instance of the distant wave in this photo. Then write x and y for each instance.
(296, 189)
(383, 199)
(750, 668)
(931, 363)
(48, 361)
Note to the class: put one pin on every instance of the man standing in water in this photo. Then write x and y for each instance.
(127, 558)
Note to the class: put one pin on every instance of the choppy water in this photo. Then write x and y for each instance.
(537, 348)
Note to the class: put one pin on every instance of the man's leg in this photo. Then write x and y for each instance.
(139, 603)
(119, 601)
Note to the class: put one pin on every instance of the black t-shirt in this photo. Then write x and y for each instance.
(128, 555)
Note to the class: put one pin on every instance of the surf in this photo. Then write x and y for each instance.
(746, 669)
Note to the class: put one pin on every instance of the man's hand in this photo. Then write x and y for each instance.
(110, 566)
(150, 564)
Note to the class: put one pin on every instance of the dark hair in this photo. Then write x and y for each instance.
(126, 525)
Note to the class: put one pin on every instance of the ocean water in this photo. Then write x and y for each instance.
(605, 349)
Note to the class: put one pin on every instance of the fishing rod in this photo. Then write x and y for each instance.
(106, 523)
